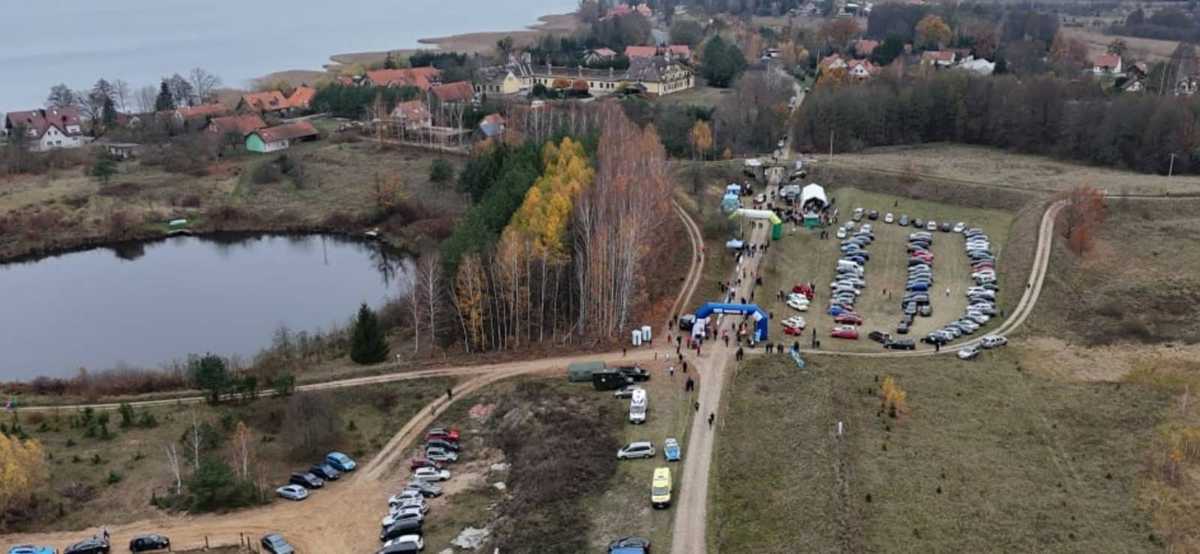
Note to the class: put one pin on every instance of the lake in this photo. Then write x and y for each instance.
(144, 304)
(78, 41)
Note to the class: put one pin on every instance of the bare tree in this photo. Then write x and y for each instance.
(145, 98)
(181, 90)
(242, 449)
(195, 442)
(409, 280)
(173, 465)
(203, 83)
(310, 424)
(122, 94)
(429, 280)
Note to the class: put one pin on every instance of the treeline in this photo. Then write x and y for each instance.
(1044, 115)
(355, 101)
(1165, 24)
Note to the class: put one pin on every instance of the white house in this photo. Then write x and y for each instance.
(48, 129)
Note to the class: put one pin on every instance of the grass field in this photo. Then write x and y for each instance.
(989, 458)
(619, 507)
(81, 466)
(998, 168)
(801, 256)
(699, 96)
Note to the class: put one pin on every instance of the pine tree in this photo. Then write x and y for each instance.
(164, 102)
(367, 345)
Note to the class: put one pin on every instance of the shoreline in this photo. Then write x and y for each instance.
(476, 42)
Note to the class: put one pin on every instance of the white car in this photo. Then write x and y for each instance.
(795, 322)
(968, 353)
(292, 492)
(418, 503)
(640, 449)
(431, 474)
(960, 227)
(841, 233)
(866, 228)
(416, 541)
(402, 514)
(439, 454)
(797, 304)
(993, 341)
(404, 496)
(889, 218)
(931, 225)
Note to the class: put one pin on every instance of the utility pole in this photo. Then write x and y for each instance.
(1171, 170)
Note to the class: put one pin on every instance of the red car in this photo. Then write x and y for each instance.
(418, 463)
(849, 318)
(442, 433)
(804, 289)
(844, 332)
(926, 256)
(793, 331)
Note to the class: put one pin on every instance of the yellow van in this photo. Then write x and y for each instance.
(660, 488)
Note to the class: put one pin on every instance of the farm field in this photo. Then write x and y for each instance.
(998, 168)
(988, 458)
(801, 257)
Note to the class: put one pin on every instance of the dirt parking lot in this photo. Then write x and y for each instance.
(802, 256)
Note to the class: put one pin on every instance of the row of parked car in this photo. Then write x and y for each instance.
(981, 297)
(99, 544)
(849, 281)
(799, 300)
(327, 470)
(402, 526)
(919, 281)
(905, 221)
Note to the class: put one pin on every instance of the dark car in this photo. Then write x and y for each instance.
(879, 337)
(902, 328)
(686, 321)
(635, 373)
(935, 338)
(306, 480)
(918, 223)
(873, 215)
(275, 544)
(401, 528)
(902, 344)
(443, 444)
(142, 543)
(400, 548)
(325, 471)
(629, 545)
(947, 226)
(94, 545)
(910, 308)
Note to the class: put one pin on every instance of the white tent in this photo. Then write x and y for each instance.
(813, 191)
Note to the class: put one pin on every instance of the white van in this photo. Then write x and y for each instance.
(849, 266)
(637, 406)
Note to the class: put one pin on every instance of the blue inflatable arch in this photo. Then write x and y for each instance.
(761, 320)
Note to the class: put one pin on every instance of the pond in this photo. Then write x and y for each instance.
(146, 304)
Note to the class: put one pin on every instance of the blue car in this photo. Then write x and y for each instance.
(671, 450)
(340, 462)
(30, 549)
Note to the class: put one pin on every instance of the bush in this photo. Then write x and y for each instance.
(214, 487)
(114, 477)
(265, 173)
(440, 171)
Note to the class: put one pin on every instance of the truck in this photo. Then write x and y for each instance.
(609, 379)
(581, 372)
(637, 406)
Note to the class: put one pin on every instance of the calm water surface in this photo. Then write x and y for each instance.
(147, 304)
(77, 41)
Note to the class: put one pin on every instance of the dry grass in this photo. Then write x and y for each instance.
(991, 459)
(1140, 49)
(1001, 170)
(136, 453)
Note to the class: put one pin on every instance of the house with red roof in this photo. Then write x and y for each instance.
(680, 52)
(423, 78)
(861, 70)
(413, 114)
(1107, 64)
(47, 129)
(453, 93)
(266, 102)
(241, 124)
(280, 137)
(196, 117)
(864, 47)
(301, 98)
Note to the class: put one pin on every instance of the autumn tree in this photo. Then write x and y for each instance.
(932, 32)
(839, 31)
(22, 470)
(1081, 217)
(243, 450)
(701, 139)
(1069, 51)
(893, 399)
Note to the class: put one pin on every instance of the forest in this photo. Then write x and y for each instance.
(1072, 120)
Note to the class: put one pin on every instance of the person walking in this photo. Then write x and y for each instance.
(697, 407)
(671, 371)
(711, 417)
(449, 393)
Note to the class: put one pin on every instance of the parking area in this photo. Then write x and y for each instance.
(803, 256)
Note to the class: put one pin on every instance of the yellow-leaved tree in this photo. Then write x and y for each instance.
(22, 470)
(546, 210)
(893, 398)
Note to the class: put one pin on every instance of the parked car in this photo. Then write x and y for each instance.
(671, 450)
(325, 471)
(407, 513)
(968, 353)
(629, 545)
(292, 492)
(400, 529)
(889, 218)
(340, 462)
(404, 544)
(425, 488)
(993, 341)
(879, 337)
(901, 344)
(144, 543)
(844, 332)
(404, 496)
(848, 319)
(841, 233)
(423, 462)
(306, 480)
(796, 303)
(660, 488)
(903, 222)
(858, 214)
(686, 321)
(639, 449)
(902, 328)
(946, 226)
(93, 545)
(918, 223)
(452, 446)
(637, 374)
(960, 227)
(439, 454)
(626, 391)
(275, 544)
(444, 433)
(430, 474)
(873, 215)
(31, 549)
(925, 310)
